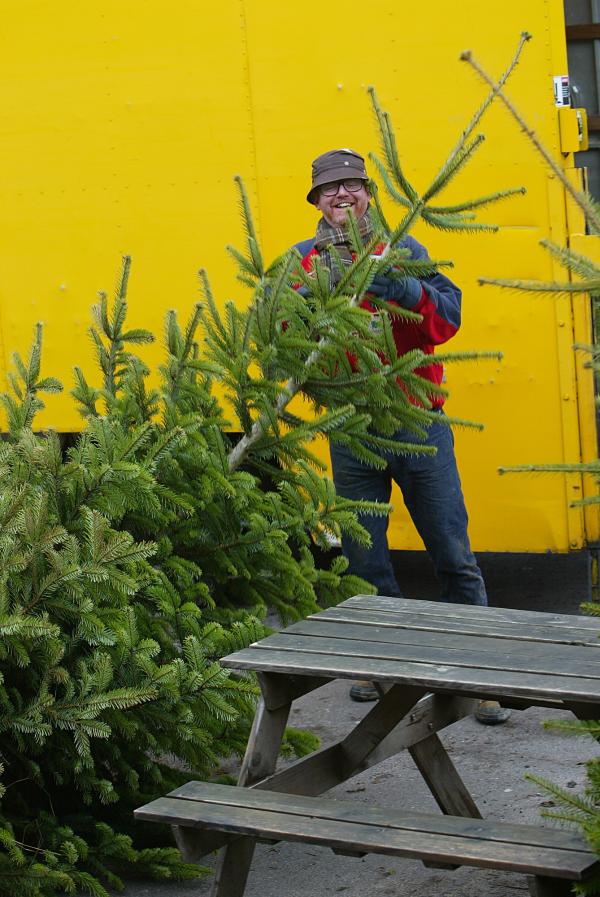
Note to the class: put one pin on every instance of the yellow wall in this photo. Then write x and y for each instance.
(122, 126)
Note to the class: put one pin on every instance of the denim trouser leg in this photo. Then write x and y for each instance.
(433, 496)
(356, 480)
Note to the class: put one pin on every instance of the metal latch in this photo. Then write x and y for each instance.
(573, 129)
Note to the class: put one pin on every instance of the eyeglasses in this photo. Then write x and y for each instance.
(352, 185)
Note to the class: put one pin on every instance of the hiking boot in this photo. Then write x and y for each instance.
(490, 713)
(364, 691)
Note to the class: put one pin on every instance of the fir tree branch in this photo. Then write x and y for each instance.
(496, 88)
(477, 203)
(381, 220)
(388, 145)
(585, 467)
(543, 287)
(585, 203)
(457, 223)
(254, 261)
(581, 805)
(388, 184)
(579, 264)
(451, 167)
(290, 389)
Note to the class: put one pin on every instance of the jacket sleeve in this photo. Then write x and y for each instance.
(439, 303)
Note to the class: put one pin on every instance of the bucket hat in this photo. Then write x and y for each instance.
(336, 165)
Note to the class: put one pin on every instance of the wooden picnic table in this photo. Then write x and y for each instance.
(432, 662)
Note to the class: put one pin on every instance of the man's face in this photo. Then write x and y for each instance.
(334, 208)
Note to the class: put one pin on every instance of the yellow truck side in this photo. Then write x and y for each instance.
(122, 128)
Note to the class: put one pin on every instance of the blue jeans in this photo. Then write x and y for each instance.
(432, 493)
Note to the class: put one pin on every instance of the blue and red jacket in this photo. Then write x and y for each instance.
(439, 305)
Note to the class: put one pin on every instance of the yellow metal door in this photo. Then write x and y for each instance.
(123, 125)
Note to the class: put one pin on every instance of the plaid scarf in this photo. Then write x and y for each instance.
(339, 237)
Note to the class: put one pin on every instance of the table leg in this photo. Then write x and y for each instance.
(444, 782)
(331, 765)
(583, 711)
(264, 742)
(442, 778)
(259, 761)
(366, 737)
(539, 886)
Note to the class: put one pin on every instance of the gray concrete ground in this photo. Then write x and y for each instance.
(493, 762)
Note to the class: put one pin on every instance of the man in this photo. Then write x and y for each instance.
(430, 484)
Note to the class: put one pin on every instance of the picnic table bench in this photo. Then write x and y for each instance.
(432, 662)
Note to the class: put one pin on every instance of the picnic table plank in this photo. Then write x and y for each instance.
(442, 677)
(469, 611)
(565, 635)
(459, 655)
(361, 837)
(399, 635)
(344, 810)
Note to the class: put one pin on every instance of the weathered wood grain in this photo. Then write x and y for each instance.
(264, 742)
(442, 677)
(432, 714)
(195, 845)
(373, 728)
(323, 769)
(529, 618)
(259, 761)
(233, 867)
(393, 838)
(442, 778)
(451, 641)
(460, 651)
(563, 633)
(426, 622)
(310, 775)
(278, 691)
(346, 810)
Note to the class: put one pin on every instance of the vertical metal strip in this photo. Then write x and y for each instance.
(595, 11)
(582, 321)
(565, 331)
(565, 338)
(4, 359)
(583, 332)
(255, 188)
